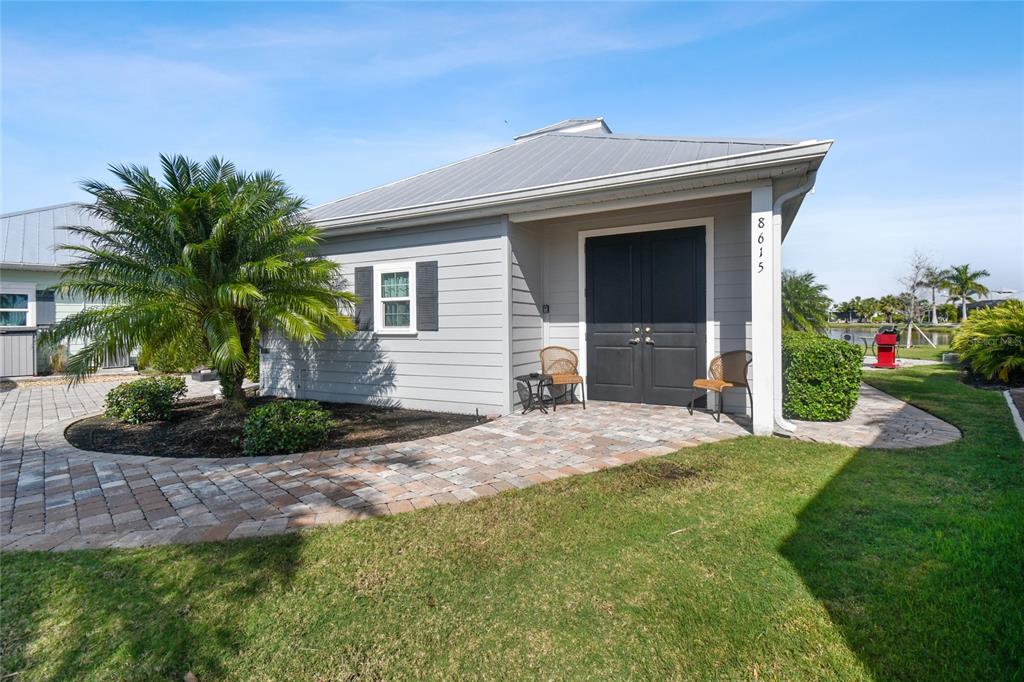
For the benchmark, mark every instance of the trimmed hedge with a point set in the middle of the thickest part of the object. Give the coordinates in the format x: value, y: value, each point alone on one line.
x: 284, y: 427
x: 821, y: 377
x: 145, y: 400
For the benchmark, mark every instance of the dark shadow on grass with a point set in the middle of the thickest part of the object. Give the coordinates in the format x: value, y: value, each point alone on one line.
x: 129, y: 615
x: 918, y: 554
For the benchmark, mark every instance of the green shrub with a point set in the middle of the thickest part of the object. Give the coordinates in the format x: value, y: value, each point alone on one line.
x: 145, y: 400
x: 821, y: 377
x: 252, y: 363
x: 281, y: 428
x: 991, y: 342
x: 179, y: 355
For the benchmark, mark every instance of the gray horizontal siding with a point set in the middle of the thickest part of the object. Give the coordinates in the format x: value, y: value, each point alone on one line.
x: 732, y: 268
x: 527, y: 291
x: 461, y: 367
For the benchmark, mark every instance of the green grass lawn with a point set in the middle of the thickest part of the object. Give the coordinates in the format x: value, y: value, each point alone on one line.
x: 922, y: 352
x: 750, y: 559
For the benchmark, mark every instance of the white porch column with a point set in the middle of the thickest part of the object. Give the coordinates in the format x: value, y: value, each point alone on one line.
x: 764, y: 280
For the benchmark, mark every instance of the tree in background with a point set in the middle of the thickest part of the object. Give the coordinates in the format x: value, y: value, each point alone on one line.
x: 963, y: 284
x: 209, y: 255
x: 804, y: 303
x: 848, y: 309
x: 867, y: 309
x: 947, y: 312
x: 913, y: 284
x: 934, y: 279
x: 889, y: 306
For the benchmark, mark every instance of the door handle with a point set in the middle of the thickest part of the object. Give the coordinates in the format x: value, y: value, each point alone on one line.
x: 648, y: 340
x: 635, y: 340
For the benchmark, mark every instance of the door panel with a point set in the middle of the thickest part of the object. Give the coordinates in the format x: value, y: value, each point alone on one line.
x: 674, y: 311
x: 613, y: 311
x: 646, y: 280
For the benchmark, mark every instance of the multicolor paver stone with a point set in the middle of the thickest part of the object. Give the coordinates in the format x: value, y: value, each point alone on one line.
x: 54, y: 496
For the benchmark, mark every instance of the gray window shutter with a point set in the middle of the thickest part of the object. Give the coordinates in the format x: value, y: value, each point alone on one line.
x: 364, y: 290
x: 426, y: 296
x: 46, y: 308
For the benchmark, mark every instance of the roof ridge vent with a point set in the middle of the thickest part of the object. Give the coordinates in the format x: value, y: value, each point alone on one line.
x: 570, y: 125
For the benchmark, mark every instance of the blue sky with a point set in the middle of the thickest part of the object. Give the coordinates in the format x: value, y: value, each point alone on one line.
x: 925, y: 102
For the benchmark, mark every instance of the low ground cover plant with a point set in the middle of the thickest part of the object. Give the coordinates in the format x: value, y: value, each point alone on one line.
x: 821, y: 376
x: 991, y: 342
x: 284, y: 427
x: 145, y: 400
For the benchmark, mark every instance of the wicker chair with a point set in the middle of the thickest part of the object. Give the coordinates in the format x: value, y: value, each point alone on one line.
x: 728, y: 370
x: 561, y: 364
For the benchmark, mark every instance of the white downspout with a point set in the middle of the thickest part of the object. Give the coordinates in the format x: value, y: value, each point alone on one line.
x: 780, y: 422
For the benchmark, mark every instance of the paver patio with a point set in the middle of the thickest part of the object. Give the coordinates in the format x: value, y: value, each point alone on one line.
x: 54, y: 496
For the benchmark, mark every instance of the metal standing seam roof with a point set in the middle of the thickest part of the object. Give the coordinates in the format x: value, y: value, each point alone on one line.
x: 29, y: 238
x: 546, y: 159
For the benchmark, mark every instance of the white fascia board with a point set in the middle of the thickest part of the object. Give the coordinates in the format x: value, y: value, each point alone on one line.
x: 493, y: 204
x: 33, y: 266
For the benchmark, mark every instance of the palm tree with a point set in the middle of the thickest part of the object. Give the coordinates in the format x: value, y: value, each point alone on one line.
x: 867, y: 309
x: 963, y: 284
x: 934, y: 279
x: 889, y: 305
x: 804, y: 303
x: 848, y: 309
x: 209, y: 254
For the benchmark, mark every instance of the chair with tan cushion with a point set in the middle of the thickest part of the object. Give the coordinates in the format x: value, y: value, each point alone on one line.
x: 561, y: 365
x: 728, y: 370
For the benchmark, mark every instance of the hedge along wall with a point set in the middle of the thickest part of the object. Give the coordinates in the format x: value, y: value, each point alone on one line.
x: 821, y: 377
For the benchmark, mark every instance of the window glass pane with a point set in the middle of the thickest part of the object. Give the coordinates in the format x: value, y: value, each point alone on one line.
x: 394, y: 284
x: 14, y: 301
x: 9, y: 318
x: 396, y: 314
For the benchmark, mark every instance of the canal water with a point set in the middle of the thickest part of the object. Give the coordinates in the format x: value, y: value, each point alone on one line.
x: 938, y: 338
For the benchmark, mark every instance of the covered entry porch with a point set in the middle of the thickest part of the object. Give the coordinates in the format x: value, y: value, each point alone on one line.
x: 647, y: 291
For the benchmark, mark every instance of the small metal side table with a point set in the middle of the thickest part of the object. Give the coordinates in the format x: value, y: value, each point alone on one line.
x: 533, y: 397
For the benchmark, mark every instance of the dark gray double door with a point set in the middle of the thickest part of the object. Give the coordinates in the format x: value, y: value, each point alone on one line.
x: 645, y: 294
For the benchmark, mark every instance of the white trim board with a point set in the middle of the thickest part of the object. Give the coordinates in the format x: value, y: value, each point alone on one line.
x: 710, y: 328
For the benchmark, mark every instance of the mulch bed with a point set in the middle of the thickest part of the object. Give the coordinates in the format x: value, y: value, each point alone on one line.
x: 201, y: 427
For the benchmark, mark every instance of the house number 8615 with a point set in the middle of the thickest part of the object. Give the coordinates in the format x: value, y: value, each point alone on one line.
x: 760, y: 240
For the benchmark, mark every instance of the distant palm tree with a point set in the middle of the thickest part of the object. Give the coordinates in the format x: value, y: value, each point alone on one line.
x: 211, y: 255
x: 963, y: 284
x: 935, y: 279
x: 804, y: 303
x: 889, y: 305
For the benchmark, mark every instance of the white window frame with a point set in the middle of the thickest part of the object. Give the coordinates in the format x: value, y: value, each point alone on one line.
x: 378, y: 299
x: 30, y: 289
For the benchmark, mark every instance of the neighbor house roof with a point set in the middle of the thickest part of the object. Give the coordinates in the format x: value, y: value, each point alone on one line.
x: 554, y: 157
x: 29, y: 239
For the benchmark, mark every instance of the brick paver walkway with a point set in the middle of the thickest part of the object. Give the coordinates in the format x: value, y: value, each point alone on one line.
x: 881, y: 421
x: 54, y: 496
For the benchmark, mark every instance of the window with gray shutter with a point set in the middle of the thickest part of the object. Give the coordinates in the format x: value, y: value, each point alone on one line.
x: 46, y: 308
x: 426, y: 296
x: 364, y: 290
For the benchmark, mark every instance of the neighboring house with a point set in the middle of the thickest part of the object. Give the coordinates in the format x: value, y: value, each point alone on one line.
x: 997, y: 297
x: 30, y: 267
x: 647, y: 255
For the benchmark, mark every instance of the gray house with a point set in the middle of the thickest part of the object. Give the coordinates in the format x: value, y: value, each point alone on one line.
x: 30, y: 267
x: 647, y: 255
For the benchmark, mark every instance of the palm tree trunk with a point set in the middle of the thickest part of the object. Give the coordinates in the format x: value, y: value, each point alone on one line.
x: 963, y: 309
x: 935, y: 311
